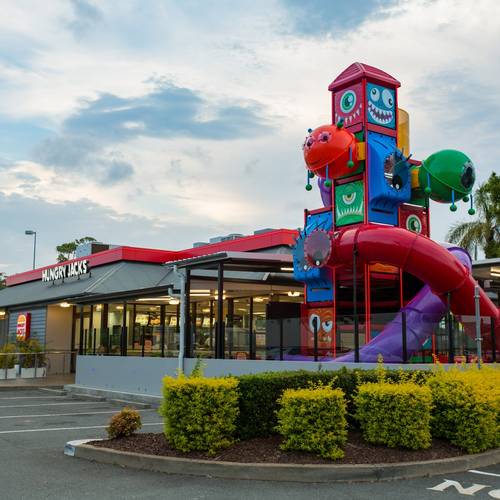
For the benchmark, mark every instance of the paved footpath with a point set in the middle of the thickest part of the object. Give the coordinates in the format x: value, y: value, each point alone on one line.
x: 35, y: 424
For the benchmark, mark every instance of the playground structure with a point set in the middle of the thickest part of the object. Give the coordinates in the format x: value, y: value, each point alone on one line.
x: 367, y: 253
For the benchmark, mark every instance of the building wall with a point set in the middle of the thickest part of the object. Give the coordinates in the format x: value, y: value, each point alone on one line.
x: 38, y: 323
x: 4, y: 329
x: 143, y: 376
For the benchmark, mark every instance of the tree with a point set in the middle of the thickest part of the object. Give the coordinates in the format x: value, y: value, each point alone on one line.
x: 485, y: 231
x: 3, y: 284
x: 66, y: 251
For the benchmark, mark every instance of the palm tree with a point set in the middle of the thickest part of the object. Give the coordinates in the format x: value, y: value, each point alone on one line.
x: 485, y: 231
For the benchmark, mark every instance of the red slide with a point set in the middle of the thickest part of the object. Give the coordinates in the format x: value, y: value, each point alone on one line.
x: 416, y: 254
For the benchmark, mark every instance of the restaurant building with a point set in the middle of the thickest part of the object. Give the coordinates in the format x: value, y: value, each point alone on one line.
x: 126, y: 315
x: 126, y: 301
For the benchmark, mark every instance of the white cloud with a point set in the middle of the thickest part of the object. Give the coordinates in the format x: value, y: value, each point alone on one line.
x: 244, y: 52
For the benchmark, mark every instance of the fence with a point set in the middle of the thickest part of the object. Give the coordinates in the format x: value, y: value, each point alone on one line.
x: 36, y: 364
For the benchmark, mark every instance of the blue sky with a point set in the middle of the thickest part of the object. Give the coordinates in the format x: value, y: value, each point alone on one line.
x: 161, y: 123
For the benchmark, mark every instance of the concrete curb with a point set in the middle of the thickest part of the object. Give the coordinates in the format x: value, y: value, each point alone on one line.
x: 303, y: 473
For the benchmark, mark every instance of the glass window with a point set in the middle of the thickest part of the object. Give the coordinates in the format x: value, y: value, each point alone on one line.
x: 114, y: 328
x: 145, y: 338
x: 238, y: 329
x: 97, y: 316
x: 172, y: 312
x: 203, y: 328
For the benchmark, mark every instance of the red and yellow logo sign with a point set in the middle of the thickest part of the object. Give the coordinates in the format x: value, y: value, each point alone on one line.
x: 23, y: 327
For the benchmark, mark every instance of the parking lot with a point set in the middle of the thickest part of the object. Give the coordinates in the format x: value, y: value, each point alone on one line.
x: 36, y: 423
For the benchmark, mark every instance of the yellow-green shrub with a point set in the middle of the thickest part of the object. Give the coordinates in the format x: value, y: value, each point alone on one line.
x: 313, y: 420
x: 124, y: 423
x: 467, y: 407
x: 395, y: 414
x: 199, y: 413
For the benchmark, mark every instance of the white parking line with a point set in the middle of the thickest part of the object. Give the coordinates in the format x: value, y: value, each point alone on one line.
x: 65, y: 414
x: 484, y: 473
x: 57, y: 404
x: 68, y: 428
x: 31, y: 397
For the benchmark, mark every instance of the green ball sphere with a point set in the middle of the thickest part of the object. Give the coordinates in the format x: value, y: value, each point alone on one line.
x: 328, y: 183
x: 471, y: 211
x: 427, y: 190
x: 465, y: 198
x: 310, y: 174
x: 453, y: 208
x: 308, y: 187
x: 350, y: 164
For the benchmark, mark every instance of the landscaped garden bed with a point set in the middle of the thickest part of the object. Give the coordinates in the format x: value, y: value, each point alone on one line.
x: 267, y: 450
x: 323, y: 418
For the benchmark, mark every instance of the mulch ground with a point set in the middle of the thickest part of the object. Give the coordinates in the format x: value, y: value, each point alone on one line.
x: 266, y: 450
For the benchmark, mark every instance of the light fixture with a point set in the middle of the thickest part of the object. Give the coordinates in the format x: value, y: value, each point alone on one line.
x: 174, y: 302
x: 287, y: 269
x: 497, y: 275
x: 258, y: 299
x: 293, y: 293
x: 98, y: 307
x: 30, y: 232
x: 495, y: 269
x: 119, y: 308
x: 65, y: 304
x: 2, y: 313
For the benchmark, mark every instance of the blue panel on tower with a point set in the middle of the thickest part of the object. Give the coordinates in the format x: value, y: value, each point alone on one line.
x: 318, y: 281
x: 389, y: 179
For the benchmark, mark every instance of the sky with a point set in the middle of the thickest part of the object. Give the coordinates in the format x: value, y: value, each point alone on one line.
x: 160, y: 123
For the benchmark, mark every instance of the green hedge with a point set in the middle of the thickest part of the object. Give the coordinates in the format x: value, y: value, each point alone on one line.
x: 313, y: 420
x: 199, y: 413
x: 395, y: 414
x: 260, y: 392
x: 467, y: 407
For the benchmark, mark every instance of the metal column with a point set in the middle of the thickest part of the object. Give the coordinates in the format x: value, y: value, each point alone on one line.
x: 219, y: 339
x: 355, y: 304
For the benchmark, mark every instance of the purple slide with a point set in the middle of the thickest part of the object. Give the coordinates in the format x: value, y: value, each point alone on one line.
x: 423, y: 313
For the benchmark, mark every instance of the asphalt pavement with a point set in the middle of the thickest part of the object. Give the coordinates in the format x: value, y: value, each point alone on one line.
x: 35, y: 424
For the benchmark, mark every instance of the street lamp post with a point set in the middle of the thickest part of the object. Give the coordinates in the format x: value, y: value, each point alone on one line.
x: 30, y: 232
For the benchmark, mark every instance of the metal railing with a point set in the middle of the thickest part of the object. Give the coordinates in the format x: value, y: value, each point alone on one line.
x: 36, y: 364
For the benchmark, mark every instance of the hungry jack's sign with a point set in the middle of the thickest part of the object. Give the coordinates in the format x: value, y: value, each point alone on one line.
x: 62, y: 271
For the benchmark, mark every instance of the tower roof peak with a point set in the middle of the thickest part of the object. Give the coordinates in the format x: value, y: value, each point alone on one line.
x: 357, y: 70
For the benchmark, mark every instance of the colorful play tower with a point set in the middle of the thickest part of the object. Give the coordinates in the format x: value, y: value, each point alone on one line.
x: 371, y: 272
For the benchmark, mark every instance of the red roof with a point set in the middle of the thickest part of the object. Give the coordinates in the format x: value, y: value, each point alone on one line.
x: 251, y: 243
x: 360, y: 70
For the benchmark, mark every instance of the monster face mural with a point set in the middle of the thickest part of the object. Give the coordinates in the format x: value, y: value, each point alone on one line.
x: 349, y: 105
x: 381, y: 105
x: 349, y: 203
x: 321, y: 319
x: 413, y: 218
